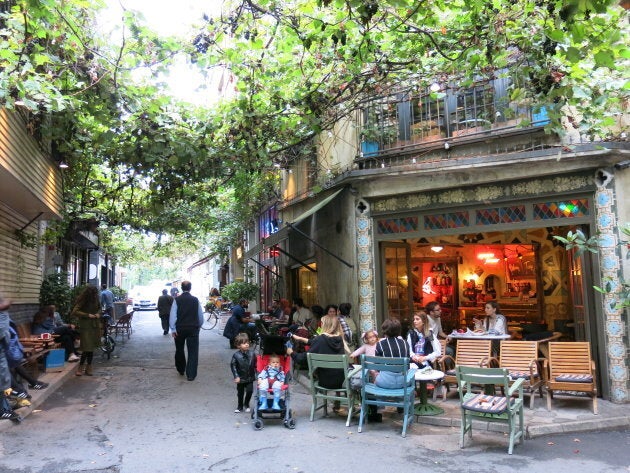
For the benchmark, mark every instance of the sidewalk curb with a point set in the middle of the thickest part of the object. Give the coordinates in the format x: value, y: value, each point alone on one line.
x: 610, y: 423
x: 55, y: 379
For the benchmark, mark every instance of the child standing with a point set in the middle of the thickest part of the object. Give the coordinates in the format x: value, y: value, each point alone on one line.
x: 243, y: 372
x: 271, y: 377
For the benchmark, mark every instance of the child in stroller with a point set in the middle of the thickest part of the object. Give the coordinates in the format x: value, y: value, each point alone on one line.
x: 273, y: 370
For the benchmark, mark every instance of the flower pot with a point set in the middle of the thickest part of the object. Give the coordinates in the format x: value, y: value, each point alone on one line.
x: 369, y: 148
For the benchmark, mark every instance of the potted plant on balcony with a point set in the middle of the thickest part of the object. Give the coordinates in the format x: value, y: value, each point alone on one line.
x: 374, y: 136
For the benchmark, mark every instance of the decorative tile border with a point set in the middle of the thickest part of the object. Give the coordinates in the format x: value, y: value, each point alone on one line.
x: 367, y: 311
x: 610, y: 270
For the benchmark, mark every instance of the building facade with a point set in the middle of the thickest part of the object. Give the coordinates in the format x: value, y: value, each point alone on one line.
x: 457, y: 198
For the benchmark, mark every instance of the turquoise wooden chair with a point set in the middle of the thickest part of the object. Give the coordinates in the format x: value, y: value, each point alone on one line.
x: 506, y: 409
x: 345, y: 395
x: 372, y: 395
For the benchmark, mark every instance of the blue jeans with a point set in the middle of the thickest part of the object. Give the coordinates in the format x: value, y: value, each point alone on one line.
x: 389, y: 380
x: 188, y: 337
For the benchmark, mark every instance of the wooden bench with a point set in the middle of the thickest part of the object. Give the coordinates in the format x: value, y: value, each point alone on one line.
x: 35, y: 349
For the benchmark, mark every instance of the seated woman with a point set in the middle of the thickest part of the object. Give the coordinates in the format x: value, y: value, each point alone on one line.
x: 423, y: 344
x: 330, y: 342
x: 392, y: 346
x: 44, y: 322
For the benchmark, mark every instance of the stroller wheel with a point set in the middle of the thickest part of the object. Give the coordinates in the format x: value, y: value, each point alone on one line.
x: 290, y: 424
x: 258, y: 424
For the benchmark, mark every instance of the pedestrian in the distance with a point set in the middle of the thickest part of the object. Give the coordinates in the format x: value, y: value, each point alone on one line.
x: 243, y: 371
x: 107, y: 301
x: 185, y: 322
x: 164, y: 304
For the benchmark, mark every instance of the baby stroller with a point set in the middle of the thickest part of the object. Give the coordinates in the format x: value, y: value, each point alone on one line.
x: 273, y: 345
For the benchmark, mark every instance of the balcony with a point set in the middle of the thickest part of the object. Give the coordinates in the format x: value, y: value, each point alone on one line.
x: 408, y: 123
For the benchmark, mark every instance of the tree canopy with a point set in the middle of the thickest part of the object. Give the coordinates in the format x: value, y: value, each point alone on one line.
x: 144, y: 161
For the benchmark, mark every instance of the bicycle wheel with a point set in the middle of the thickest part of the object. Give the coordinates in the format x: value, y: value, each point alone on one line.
x: 210, y: 320
x: 108, y: 344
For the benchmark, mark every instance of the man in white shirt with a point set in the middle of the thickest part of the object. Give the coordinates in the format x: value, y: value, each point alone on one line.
x: 434, y: 311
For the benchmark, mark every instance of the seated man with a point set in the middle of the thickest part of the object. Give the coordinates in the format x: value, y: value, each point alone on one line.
x: 44, y: 322
x: 239, y: 322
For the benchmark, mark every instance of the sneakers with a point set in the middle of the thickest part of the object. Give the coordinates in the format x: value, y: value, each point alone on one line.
x: 237, y: 411
x: 22, y: 403
x: 72, y: 358
x: 7, y: 414
x: 39, y: 385
x: 19, y: 394
x: 248, y: 410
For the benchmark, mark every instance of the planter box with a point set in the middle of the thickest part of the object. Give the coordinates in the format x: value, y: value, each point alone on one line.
x: 369, y: 148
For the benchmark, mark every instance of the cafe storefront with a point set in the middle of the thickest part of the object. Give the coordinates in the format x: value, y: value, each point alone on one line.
x: 462, y: 247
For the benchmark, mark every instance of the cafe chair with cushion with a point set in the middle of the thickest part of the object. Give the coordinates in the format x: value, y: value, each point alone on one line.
x: 520, y: 358
x: 572, y: 369
x: 345, y: 395
x: 373, y: 395
x: 506, y: 409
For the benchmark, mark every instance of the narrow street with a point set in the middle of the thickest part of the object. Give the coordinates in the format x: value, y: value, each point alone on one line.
x: 137, y: 415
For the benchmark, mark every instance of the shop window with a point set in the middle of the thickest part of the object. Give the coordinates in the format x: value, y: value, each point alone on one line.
x: 446, y: 220
x: 397, y: 225
x: 307, y: 285
x: 511, y: 214
x: 563, y: 209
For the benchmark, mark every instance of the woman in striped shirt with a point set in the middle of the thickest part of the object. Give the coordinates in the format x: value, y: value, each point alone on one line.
x: 392, y: 346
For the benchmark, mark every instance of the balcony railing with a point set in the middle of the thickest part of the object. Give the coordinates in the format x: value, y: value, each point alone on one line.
x: 408, y: 120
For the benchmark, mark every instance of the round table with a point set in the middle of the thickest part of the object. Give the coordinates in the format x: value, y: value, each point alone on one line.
x: 423, y: 408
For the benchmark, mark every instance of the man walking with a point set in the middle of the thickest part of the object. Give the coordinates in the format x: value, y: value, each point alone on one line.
x: 164, y: 304
x: 107, y: 301
x: 186, y: 319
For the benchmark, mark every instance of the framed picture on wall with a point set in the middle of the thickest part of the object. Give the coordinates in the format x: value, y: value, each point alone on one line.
x: 523, y: 268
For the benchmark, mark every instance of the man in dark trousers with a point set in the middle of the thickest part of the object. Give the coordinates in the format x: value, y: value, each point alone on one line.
x: 164, y: 305
x: 185, y: 322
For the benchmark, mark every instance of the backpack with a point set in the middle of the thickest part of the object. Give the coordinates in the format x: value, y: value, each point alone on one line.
x: 13, y: 349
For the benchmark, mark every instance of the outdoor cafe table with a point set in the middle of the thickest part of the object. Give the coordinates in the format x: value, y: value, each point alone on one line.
x: 424, y: 408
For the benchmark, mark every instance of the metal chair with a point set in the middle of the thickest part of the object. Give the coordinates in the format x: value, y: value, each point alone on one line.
x: 373, y: 395
x: 345, y: 395
x: 481, y: 406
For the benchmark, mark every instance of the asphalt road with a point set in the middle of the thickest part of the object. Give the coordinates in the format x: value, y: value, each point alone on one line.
x: 137, y: 415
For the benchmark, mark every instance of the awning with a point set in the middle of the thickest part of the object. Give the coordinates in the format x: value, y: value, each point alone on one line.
x: 283, y: 233
x: 201, y: 261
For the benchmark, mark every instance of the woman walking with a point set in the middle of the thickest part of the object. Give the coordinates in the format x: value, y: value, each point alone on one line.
x: 88, y: 311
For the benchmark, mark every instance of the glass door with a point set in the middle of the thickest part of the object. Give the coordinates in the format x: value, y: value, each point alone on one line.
x: 396, y: 276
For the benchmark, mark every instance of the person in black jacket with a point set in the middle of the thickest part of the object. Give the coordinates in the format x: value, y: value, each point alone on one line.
x: 185, y: 322
x: 242, y: 367
x: 330, y: 342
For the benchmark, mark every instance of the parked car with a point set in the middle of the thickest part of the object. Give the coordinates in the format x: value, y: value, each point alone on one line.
x: 144, y: 298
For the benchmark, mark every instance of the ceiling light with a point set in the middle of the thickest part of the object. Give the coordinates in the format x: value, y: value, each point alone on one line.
x: 63, y: 165
x: 437, y: 249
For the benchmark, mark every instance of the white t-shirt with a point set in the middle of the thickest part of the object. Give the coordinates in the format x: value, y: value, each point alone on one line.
x: 435, y: 325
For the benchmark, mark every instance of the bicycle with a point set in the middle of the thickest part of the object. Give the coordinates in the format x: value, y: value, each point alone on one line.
x: 210, y: 317
x: 107, y: 341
